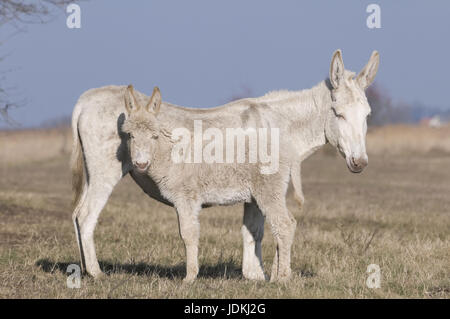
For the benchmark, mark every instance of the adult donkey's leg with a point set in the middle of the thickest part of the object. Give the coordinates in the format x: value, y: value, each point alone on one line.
x: 99, y: 182
x: 96, y: 171
x: 252, y: 234
x: 190, y: 233
x: 85, y: 220
x: 297, y: 183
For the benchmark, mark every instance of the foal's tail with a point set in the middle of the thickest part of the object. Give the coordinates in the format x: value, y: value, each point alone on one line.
x: 77, y: 160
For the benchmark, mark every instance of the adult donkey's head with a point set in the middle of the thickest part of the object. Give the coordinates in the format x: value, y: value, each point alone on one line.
x: 346, y: 125
x: 142, y: 126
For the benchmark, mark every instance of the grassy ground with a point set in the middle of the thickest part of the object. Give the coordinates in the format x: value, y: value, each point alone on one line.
x: 396, y: 214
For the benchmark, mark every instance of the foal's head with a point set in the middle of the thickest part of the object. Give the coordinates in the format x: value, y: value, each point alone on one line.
x: 143, y: 128
x: 347, y: 119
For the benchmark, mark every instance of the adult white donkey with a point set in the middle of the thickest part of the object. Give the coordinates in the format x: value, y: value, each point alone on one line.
x: 114, y: 137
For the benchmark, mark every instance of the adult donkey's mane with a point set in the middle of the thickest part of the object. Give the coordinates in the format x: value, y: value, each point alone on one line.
x: 302, y: 100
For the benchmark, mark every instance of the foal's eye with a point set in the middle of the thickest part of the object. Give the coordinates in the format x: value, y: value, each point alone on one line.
x: 155, y: 136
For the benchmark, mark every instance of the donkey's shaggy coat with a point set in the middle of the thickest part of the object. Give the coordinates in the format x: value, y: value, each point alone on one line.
x: 118, y: 131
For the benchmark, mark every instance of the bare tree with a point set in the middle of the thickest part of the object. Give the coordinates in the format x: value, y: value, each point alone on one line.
x: 16, y: 14
x: 19, y: 12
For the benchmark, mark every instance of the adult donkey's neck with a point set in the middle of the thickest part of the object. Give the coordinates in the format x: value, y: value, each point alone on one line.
x: 306, y: 114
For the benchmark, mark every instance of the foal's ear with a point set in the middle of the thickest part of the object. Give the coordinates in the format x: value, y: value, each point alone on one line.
x: 367, y: 75
x: 155, y: 101
x: 336, y: 69
x: 131, y: 103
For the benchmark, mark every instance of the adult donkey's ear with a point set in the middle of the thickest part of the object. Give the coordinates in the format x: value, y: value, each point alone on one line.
x: 336, y: 69
x: 367, y: 75
x: 131, y: 103
x: 155, y: 101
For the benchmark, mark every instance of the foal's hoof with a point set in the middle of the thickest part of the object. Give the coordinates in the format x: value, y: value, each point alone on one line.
x: 255, y: 275
x: 280, y: 278
x: 189, y: 279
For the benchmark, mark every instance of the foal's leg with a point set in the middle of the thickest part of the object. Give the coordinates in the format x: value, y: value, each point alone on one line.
x: 252, y: 233
x: 283, y: 226
x: 190, y: 232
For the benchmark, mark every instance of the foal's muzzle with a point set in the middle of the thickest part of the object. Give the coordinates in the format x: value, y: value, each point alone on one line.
x: 141, y: 167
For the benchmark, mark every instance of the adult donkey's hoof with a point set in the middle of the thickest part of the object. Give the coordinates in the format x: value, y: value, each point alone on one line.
x: 96, y: 273
x: 99, y: 275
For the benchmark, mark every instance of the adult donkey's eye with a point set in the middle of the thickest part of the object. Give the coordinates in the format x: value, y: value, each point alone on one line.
x: 338, y: 115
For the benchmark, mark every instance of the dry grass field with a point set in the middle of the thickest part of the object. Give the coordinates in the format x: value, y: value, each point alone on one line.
x: 396, y: 214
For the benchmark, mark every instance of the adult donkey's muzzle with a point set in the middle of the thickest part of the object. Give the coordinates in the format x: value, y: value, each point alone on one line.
x: 356, y: 165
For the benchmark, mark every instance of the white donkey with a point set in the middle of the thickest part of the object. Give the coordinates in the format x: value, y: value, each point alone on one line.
x: 113, y: 137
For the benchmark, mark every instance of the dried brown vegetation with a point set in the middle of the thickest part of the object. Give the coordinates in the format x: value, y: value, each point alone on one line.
x: 409, y: 139
x: 395, y: 214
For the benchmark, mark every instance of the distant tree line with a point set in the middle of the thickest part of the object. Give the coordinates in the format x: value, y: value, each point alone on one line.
x: 385, y: 111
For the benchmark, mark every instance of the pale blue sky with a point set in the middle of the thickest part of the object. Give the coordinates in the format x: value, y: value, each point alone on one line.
x: 202, y: 52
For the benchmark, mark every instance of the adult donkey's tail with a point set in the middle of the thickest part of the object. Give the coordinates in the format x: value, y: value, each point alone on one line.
x: 77, y: 161
x: 79, y: 182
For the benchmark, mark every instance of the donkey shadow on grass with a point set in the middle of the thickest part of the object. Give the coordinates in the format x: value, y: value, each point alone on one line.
x: 223, y: 269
